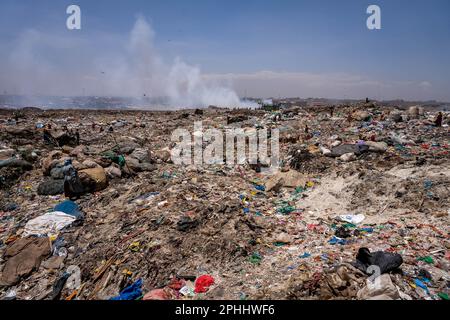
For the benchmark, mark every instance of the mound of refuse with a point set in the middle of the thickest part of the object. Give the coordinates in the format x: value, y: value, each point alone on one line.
x: 93, y: 205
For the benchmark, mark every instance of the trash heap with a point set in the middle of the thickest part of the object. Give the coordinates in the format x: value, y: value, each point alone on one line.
x: 92, y: 207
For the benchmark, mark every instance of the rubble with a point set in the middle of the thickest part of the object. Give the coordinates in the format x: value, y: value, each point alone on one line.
x: 383, y: 290
x: 367, y: 183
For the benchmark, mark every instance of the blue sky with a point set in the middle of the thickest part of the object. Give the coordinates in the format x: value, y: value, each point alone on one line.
x: 265, y: 47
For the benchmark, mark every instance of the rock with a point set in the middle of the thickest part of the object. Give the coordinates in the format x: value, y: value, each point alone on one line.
x: 20, y: 132
x: 6, y: 153
x: 132, y: 163
x: 147, y: 167
x: 325, y: 151
x: 113, y: 171
x: 51, y: 161
x: 78, y: 166
x: 53, y: 262
x: 143, y: 155
x: 67, y: 149
x: 16, y: 163
x: 293, y: 179
x: 90, y: 164
x: 380, y: 289
x: 361, y: 115
x: 51, y: 187
x: 357, y: 149
x: 377, y: 146
x: 78, y: 151
x: 274, y: 184
x: 336, y: 143
x: 289, y: 179
x: 163, y: 155
x: 348, y: 157
x: 136, y: 166
x: 93, y: 179
x: 57, y: 172
x: 103, y: 162
x: 119, y: 123
x: 127, y: 147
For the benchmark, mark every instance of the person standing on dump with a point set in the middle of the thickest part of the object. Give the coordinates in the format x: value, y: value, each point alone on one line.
x: 438, y: 121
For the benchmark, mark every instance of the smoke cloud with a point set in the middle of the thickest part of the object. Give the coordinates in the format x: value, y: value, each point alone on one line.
x: 181, y: 83
x: 46, y: 64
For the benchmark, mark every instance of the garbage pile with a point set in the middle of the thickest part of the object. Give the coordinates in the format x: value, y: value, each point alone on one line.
x: 93, y: 207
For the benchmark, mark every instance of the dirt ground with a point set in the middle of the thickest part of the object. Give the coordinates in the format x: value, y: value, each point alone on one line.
x: 169, y: 224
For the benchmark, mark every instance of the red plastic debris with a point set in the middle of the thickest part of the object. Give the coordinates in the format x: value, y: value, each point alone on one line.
x: 203, y: 283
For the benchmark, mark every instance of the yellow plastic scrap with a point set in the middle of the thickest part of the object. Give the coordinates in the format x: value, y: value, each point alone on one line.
x: 127, y: 272
x: 310, y: 184
x: 135, y: 246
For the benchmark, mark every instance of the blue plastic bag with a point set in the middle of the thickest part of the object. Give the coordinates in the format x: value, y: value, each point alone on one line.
x: 70, y: 208
x: 132, y: 292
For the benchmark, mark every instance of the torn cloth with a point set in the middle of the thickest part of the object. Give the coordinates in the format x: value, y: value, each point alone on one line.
x: 48, y: 224
x: 23, y: 257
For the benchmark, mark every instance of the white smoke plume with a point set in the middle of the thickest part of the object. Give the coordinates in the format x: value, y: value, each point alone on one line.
x: 181, y: 83
x: 111, y: 66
